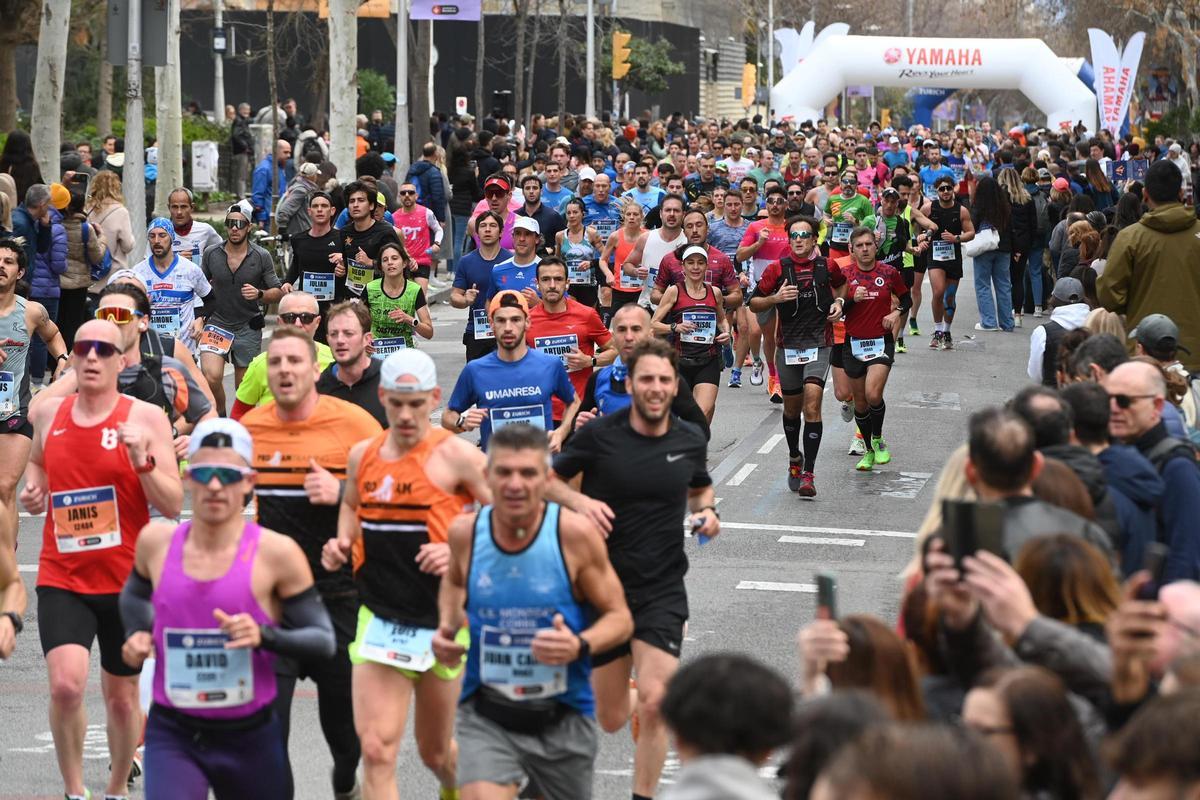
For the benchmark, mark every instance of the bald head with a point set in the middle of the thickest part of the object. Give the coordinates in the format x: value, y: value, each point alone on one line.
x: 99, y: 330
x: 298, y: 302
x: 1137, y: 392
x: 630, y: 325
x: 1145, y: 378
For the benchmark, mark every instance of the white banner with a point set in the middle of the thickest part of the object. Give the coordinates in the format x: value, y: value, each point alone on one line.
x: 204, y: 166
x: 1115, y: 72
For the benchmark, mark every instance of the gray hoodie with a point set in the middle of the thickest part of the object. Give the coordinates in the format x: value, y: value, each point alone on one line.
x: 719, y: 777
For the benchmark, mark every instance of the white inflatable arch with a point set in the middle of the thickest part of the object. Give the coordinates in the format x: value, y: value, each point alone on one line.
x: 1025, y: 64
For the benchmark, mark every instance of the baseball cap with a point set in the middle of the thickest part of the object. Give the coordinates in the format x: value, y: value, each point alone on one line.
x: 1175, y: 147
x: 389, y: 157
x: 497, y: 180
x: 751, y: 151
x: 722, y: 167
x: 587, y: 174
x: 1068, y: 290
x: 60, y: 196
x: 894, y: 140
x: 1044, y: 174
x: 695, y: 250
x: 527, y: 224
x: 1062, y: 184
x: 512, y: 294
x: 222, y: 432
x: 1159, y: 335
x: 889, y: 192
x: 408, y: 370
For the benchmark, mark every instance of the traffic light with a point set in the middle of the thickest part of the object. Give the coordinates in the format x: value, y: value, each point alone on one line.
x: 749, y: 83
x: 620, y: 54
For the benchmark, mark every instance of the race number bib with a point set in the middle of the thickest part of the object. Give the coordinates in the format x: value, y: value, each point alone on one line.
x: 482, y: 325
x: 530, y: 415
x: 943, y: 250
x: 508, y: 666
x: 631, y: 281
x: 866, y: 349
x: 85, y: 519
x: 358, y: 276
x: 8, y: 395
x: 319, y: 285
x: 388, y: 345
x: 215, y: 340
x: 397, y: 645
x: 795, y: 357
x: 578, y: 275
x: 200, y: 673
x: 166, y: 319
x: 557, y: 346
x: 841, y: 233
x: 706, y: 327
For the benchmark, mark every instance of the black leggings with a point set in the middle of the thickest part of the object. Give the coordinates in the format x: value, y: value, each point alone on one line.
x: 1016, y: 271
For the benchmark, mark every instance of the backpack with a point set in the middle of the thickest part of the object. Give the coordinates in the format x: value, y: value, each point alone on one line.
x: 104, y: 265
x: 1041, y: 203
x: 311, y: 145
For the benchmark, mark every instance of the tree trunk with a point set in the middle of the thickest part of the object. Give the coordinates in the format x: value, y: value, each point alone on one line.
x: 8, y: 85
x: 564, y: 29
x: 526, y: 111
x: 418, y: 97
x: 520, y: 17
x: 104, y: 83
x: 276, y: 122
x: 46, y: 125
x: 480, y: 58
x: 343, y: 84
x: 169, y: 103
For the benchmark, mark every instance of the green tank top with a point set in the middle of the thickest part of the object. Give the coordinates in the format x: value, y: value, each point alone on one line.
x: 380, y: 303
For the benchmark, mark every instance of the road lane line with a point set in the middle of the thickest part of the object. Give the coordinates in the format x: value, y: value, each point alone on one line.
x: 762, y: 526
x: 27, y: 568
x: 769, y: 423
x: 770, y: 444
x: 741, y: 475
x: 773, y: 586
x: 822, y: 540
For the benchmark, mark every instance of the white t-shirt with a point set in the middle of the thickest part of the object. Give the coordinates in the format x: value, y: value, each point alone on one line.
x: 174, y: 296
x: 197, y: 240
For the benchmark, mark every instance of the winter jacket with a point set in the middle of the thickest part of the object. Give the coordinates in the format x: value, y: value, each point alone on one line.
x: 428, y: 179
x: 1027, y: 518
x: 1136, y: 489
x: 48, y: 266
x: 1024, y: 226
x: 1089, y: 470
x: 1179, y: 508
x: 292, y: 215
x: 113, y: 220
x: 79, y: 271
x: 719, y: 777
x: 38, y: 237
x: 486, y: 165
x: 241, y: 140
x: 465, y: 191
x: 1152, y: 270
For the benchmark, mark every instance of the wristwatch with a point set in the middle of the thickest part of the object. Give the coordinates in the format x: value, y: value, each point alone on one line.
x: 146, y: 467
x: 260, y: 294
x: 19, y: 624
x: 593, y: 361
x: 62, y: 357
x: 585, y: 649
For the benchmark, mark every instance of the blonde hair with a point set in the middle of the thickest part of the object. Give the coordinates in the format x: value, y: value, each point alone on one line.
x: 5, y: 212
x: 1100, y: 320
x: 106, y: 188
x: 1010, y: 182
x: 952, y: 485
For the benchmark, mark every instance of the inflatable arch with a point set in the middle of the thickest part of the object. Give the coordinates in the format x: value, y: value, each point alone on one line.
x: 1025, y: 64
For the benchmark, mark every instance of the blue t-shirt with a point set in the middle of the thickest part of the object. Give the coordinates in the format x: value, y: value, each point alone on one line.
x: 475, y: 270
x: 929, y: 175
x: 605, y: 218
x: 507, y: 275
x: 648, y: 200
x: 726, y: 237
x: 554, y: 199
x: 894, y: 160
x: 344, y: 218
x: 512, y: 392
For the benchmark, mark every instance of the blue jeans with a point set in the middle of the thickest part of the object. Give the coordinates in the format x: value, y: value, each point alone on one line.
x: 37, y: 348
x: 458, y: 230
x: 1034, y: 274
x: 992, y: 269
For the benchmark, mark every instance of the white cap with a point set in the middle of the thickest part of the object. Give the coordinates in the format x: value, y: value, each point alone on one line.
x: 408, y: 370
x: 587, y: 174
x: 527, y: 224
x: 751, y: 150
x: 1175, y: 147
x: 222, y: 432
x: 894, y: 140
x: 695, y: 250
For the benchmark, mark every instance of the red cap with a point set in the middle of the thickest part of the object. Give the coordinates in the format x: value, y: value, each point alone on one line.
x: 496, y: 180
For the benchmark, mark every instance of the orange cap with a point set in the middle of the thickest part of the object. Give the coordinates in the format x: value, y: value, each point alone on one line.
x: 496, y: 302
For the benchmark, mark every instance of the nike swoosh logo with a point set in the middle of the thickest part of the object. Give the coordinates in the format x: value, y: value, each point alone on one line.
x: 671, y: 459
x: 58, y: 432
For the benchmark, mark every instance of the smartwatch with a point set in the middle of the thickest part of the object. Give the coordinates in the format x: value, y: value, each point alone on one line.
x: 19, y: 625
x: 593, y: 361
x: 585, y: 649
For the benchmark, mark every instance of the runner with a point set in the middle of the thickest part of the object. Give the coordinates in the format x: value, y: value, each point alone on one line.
x: 764, y: 241
x: 100, y: 460
x: 726, y: 234
x: 497, y: 194
x: 625, y: 288
x: 421, y: 232
x: 843, y: 211
x: 298, y: 310
x: 354, y: 375
x: 868, y: 351
x: 397, y: 304
x: 514, y: 384
x: 537, y: 721
x: 317, y: 266
x: 13, y: 601
x: 800, y: 287
x: 950, y: 223
x: 893, y: 240
x: 646, y: 469
x: 362, y: 237
x: 579, y: 247
x: 645, y: 195
x: 174, y: 284
x: 403, y: 488
x: 519, y: 272
x: 550, y: 222
x: 302, y: 443
x: 913, y: 262
x: 189, y: 237
x: 819, y: 195
x: 603, y: 212
x: 719, y: 273
x: 472, y: 277
x: 218, y: 591
x: 643, y: 261
x: 934, y: 171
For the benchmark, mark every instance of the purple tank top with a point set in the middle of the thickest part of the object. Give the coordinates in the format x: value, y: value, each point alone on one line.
x: 194, y: 673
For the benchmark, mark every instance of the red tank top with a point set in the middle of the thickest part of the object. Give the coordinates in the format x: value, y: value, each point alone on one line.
x: 703, y: 314
x: 96, y: 506
x: 620, y: 254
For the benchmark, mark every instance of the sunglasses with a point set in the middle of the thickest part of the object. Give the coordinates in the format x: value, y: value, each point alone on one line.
x: 237, y: 224
x: 945, y: 188
x: 1124, y: 401
x: 795, y: 194
x: 226, y: 475
x: 405, y: 192
x: 796, y: 235
x: 303, y: 317
x: 776, y: 201
x: 83, y: 347
x: 494, y: 194
x: 117, y: 314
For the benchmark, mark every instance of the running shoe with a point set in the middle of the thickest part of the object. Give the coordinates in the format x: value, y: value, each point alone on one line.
x: 735, y: 379
x: 882, y: 454
x: 947, y: 341
x: 774, y: 390
x: 135, y: 769
x: 900, y: 346
x: 87, y: 795
x: 727, y: 353
x: 795, y: 474
x: 857, y: 446
x: 807, y: 487
x: 867, y: 462
x: 935, y: 342
x: 912, y: 326
x: 356, y: 793
x: 756, y: 374
x: 847, y: 411
x: 1018, y: 321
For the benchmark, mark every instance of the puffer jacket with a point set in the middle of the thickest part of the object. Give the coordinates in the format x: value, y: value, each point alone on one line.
x: 1136, y: 489
x: 79, y: 274
x: 49, y: 266
x: 1091, y: 472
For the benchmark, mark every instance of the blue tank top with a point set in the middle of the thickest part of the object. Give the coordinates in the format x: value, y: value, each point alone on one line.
x: 510, y: 597
x: 611, y: 398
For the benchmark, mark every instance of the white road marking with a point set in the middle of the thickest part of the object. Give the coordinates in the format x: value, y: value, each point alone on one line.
x: 27, y: 567
x: 741, y: 475
x: 773, y: 586
x: 769, y: 445
x: 821, y: 540
x: 762, y: 526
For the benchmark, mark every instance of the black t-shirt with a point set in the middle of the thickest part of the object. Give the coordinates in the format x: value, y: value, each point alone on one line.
x: 645, y: 481
x: 369, y: 240
x: 364, y: 394
x: 311, y: 254
x: 683, y: 406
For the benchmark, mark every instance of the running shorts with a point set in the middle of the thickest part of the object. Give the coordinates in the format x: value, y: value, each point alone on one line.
x: 701, y: 371
x: 858, y: 369
x: 71, y: 618
x: 659, y: 620
x: 793, y: 377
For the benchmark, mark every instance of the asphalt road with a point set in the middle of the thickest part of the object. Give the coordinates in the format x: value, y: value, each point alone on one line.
x: 750, y: 590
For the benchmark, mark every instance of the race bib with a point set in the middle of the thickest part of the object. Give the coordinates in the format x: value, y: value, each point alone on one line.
x: 866, y: 349
x: 358, y: 276
x: 8, y: 395
x: 319, y: 285
x: 86, y: 519
x: 482, y: 325
x: 841, y: 233
x: 531, y: 415
x: 706, y: 327
x: 397, y: 645
x: 580, y: 276
x: 201, y: 673
x: 557, y: 346
x: 215, y: 340
x: 943, y: 250
x: 508, y: 666
x: 794, y: 357
x: 385, y: 347
x: 166, y: 319
x: 631, y: 281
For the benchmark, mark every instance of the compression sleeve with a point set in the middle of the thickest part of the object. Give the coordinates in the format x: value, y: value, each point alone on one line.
x: 905, y: 301
x: 136, y: 606
x: 306, y: 631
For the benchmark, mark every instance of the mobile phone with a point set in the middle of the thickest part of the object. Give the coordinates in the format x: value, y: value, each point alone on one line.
x: 826, y: 595
x: 1154, y: 561
x: 80, y: 177
x: 968, y: 527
